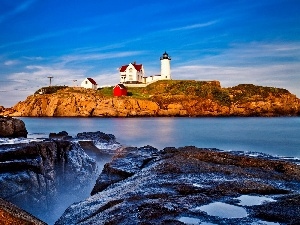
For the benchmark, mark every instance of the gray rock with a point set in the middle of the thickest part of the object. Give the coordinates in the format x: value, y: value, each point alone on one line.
x: 147, y: 186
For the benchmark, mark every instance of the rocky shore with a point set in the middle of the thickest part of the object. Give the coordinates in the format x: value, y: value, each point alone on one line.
x: 162, y: 98
x: 186, y: 185
x: 177, y: 186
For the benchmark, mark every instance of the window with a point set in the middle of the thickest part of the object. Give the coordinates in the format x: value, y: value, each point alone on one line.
x: 86, y: 82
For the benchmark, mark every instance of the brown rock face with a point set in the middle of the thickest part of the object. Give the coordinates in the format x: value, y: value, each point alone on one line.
x: 83, y: 104
x: 11, y: 127
x: 11, y: 214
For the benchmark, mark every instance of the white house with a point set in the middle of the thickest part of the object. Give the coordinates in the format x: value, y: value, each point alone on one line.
x: 135, y: 73
x: 89, y: 83
x: 132, y: 73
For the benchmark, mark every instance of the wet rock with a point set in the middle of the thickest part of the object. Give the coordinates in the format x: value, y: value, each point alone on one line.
x: 148, y: 186
x: 98, y: 142
x: 96, y: 136
x: 285, y: 209
x: 31, y: 175
x: 118, y: 169
x: 60, y: 135
x: 11, y: 127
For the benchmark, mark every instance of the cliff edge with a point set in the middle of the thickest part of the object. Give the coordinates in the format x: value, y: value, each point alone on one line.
x: 162, y: 98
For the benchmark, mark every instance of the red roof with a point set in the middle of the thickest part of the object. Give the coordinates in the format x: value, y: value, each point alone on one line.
x: 92, y: 81
x: 121, y: 86
x: 138, y: 67
x: 123, y: 68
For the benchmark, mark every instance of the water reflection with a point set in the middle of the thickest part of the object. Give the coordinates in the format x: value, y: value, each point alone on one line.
x: 140, y: 132
x: 223, y: 210
x: 189, y: 220
x: 250, y: 200
x: 276, y: 136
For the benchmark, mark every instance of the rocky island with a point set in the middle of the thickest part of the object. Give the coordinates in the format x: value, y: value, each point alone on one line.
x: 162, y: 98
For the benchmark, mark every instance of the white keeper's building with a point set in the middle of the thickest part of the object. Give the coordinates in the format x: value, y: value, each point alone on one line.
x: 134, y: 73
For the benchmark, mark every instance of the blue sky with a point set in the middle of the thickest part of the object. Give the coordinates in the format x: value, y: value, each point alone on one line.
x: 233, y: 41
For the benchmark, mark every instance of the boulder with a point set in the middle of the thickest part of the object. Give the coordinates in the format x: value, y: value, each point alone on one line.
x: 148, y: 186
x: 60, y: 135
x: 12, y: 127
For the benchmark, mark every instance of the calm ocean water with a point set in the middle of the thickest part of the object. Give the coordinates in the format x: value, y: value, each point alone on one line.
x: 276, y: 136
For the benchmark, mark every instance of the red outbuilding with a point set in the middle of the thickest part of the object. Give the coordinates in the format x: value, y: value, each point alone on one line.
x: 120, y: 90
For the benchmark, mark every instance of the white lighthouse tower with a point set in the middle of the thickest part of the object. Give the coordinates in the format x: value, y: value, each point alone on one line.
x: 165, y: 67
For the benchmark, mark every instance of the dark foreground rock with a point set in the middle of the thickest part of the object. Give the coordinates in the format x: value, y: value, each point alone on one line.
x: 32, y: 175
x: 11, y: 127
x: 11, y: 214
x: 147, y: 186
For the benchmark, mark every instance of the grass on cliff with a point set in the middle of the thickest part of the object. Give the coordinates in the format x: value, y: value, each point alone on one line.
x: 50, y: 89
x: 190, y: 88
x: 245, y: 92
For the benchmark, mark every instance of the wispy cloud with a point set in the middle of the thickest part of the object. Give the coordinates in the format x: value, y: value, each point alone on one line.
x: 11, y: 62
x: 33, y: 58
x: 195, y: 26
x: 18, y: 9
x: 49, y: 35
x: 98, y: 56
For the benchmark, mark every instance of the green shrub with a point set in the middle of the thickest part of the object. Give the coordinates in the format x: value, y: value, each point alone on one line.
x: 50, y: 89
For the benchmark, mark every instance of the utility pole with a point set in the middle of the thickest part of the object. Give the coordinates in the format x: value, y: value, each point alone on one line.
x: 50, y: 80
x: 74, y: 83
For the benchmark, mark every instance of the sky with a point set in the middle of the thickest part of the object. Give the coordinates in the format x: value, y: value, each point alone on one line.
x: 232, y: 41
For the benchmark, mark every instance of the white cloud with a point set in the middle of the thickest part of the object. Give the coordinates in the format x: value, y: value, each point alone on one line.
x: 11, y: 62
x: 33, y: 58
x: 40, y: 74
x: 107, y: 79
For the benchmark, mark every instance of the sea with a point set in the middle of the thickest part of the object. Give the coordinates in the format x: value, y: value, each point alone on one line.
x: 279, y: 136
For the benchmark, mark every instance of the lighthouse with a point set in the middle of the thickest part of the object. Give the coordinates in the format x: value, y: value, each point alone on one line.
x: 165, y: 67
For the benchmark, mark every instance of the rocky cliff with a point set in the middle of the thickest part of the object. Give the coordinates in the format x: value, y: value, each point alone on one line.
x: 162, y: 98
x: 190, y: 185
